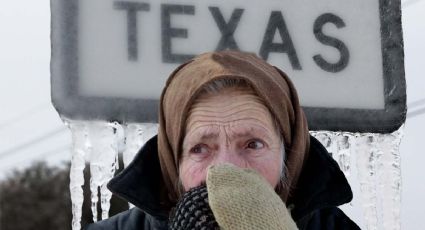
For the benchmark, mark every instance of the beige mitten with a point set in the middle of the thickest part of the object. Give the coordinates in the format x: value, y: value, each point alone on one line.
x: 243, y: 199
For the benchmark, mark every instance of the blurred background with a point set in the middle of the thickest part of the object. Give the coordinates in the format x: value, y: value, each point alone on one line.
x: 35, y: 144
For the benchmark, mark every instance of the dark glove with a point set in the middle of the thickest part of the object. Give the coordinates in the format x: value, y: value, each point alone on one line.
x: 193, y: 211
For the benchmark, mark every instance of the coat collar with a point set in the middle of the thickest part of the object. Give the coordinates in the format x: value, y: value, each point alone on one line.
x: 321, y: 183
x: 139, y: 183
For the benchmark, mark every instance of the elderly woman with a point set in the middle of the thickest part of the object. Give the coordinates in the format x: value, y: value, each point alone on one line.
x: 231, y: 128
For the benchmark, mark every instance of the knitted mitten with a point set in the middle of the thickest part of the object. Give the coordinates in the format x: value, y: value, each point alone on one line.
x: 243, y: 199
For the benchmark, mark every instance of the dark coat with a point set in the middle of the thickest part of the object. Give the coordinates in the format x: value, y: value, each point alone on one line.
x: 321, y: 188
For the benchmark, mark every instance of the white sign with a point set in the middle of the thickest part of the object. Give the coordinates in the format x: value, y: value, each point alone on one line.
x: 111, y: 58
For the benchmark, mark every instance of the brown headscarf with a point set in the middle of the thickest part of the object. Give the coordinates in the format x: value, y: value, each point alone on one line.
x: 268, y: 82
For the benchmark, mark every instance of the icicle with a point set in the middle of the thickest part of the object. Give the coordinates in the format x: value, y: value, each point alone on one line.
x: 378, y: 172
x: 133, y: 141
x: 79, y: 149
x: 137, y: 134
x: 390, y: 180
x: 121, y: 140
x: 325, y: 137
x: 367, y: 157
x: 103, y: 160
x: 343, y: 152
x: 150, y: 131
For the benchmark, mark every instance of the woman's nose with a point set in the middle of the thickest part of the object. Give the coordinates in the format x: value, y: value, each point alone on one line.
x: 230, y: 156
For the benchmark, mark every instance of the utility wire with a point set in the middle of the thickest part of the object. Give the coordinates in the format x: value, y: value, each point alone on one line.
x: 408, y: 3
x: 31, y: 142
x: 416, y: 103
x: 22, y: 116
x: 416, y: 113
x: 54, y: 151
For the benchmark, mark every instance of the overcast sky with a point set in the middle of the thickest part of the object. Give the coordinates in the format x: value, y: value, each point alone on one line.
x: 30, y: 129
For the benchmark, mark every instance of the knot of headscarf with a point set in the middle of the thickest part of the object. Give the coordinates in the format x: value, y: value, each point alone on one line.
x: 268, y: 82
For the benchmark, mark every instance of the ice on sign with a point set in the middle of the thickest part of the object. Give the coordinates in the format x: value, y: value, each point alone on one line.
x: 346, y: 59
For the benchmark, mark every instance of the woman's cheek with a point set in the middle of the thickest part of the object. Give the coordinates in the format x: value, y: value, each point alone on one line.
x: 269, y: 167
x: 192, y: 174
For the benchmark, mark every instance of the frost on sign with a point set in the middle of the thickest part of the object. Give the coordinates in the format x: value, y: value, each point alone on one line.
x: 110, y: 58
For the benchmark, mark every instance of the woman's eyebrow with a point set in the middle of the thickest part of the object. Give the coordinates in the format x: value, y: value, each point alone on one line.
x: 200, y: 136
x: 208, y: 136
x: 204, y: 135
x: 250, y: 132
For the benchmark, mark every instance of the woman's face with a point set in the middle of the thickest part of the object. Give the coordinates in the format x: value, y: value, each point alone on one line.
x: 233, y: 126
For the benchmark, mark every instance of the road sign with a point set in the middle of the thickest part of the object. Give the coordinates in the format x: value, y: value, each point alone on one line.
x: 110, y: 58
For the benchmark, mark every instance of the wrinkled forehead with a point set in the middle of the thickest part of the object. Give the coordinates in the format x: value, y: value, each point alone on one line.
x: 235, y: 107
x: 225, y: 92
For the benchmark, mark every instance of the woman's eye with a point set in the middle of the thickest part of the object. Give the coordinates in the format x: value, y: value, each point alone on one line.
x: 199, y: 149
x: 255, y: 144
